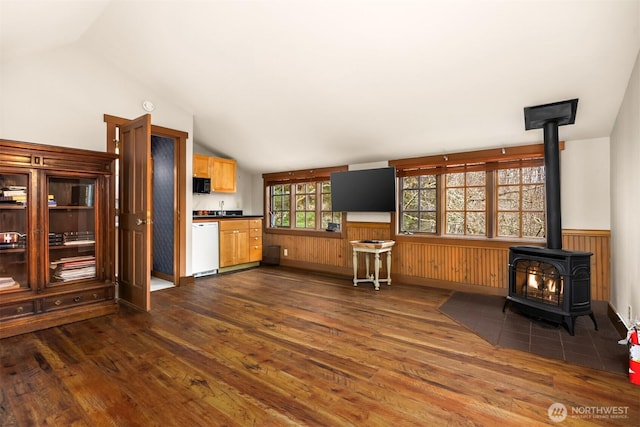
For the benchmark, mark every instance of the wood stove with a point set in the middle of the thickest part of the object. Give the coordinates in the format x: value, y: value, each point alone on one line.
x: 551, y: 283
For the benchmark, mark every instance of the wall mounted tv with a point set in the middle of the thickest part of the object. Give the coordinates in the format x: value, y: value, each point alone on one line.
x: 366, y: 190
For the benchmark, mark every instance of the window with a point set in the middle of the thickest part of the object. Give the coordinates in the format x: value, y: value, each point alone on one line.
x: 280, y: 196
x: 308, y: 213
x: 481, y: 194
x: 521, y: 202
x: 418, y: 210
x: 300, y: 200
x: 306, y: 195
x: 326, y: 213
x: 465, y: 203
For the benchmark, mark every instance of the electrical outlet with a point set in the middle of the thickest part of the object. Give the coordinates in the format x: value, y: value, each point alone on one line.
x: 286, y: 252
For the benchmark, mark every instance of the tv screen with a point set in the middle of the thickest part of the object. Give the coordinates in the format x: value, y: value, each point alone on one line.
x: 367, y: 190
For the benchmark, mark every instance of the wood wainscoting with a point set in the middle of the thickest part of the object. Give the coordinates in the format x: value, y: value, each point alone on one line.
x: 598, y: 242
x: 458, y: 264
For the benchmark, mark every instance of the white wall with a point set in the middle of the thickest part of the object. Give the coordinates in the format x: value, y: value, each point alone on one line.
x: 59, y: 98
x: 625, y: 203
x: 242, y: 199
x: 584, y: 181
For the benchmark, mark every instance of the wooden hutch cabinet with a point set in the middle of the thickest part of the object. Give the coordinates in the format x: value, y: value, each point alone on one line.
x: 56, y: 228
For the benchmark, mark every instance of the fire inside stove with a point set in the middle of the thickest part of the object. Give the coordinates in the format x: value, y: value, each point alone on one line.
x: 539, y: 281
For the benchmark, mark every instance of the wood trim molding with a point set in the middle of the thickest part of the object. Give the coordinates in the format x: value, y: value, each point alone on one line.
x: 479, y: 156
x: 574, y: 232
x: 618, y: 324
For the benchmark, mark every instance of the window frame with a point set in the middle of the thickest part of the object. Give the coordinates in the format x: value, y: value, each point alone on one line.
x: 293, y: 178
x: 489, y: 161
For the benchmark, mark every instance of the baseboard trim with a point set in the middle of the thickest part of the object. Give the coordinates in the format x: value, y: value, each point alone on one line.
x: 617, y: 321
x: 397, y: 278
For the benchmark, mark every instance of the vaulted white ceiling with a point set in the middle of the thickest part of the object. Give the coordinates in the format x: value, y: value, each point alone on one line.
x: 292, y: 84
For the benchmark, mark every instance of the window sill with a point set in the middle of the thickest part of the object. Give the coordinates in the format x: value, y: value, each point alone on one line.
x: 308, y: 233
x: 498, y: 242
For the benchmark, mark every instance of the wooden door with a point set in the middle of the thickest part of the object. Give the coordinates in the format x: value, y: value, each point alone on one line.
x: 134, y: 253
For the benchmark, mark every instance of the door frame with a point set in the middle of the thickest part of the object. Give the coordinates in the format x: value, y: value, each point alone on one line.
x: 180, y: 200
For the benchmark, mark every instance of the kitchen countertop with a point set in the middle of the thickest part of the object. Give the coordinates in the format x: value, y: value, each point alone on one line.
x: 207, y: 215
x: 213, y: 217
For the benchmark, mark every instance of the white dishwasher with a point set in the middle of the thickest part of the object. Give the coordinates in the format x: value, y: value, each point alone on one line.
x: 204, y: 248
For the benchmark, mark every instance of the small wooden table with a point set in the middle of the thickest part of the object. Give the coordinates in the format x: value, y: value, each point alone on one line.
x: 369, y: 247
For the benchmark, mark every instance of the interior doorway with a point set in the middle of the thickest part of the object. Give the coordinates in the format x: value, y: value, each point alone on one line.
x: 166, y: 226
x: 164, y: 204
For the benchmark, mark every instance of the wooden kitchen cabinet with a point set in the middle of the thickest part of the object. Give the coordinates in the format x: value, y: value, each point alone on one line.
x: 234, y: 242
x: 223, y: 175
x: 240, y: 241
x: 56, y: 255
x: 201, y: 166
x: 222, y: 172
x: 255, y: 240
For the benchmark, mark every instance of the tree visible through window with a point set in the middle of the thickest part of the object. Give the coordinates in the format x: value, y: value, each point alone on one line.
x: 280, y: 205
x: 311, y: 210
x: 326, y: 213
x: 419, y: 201
x: 521, y: 202
x: 306, y: 205
x: 507, y: 202
x: 465, y: 205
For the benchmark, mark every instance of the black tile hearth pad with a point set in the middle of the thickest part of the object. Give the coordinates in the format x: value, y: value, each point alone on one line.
x: 596, y: 349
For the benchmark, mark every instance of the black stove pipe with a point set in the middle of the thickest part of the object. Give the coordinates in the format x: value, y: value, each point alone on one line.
x: 549, y: 117
x: 552, y: 186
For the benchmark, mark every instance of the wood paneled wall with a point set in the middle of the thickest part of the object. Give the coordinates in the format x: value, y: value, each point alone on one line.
x: 471, y: 265
x: 598, y: 242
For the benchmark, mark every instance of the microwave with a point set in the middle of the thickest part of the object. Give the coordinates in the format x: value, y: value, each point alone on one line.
x: 201, y: 185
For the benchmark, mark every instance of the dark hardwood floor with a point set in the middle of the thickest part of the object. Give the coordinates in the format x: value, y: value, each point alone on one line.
x: 278, y: 347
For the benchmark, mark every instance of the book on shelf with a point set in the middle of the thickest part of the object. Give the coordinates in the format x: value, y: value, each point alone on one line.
x: 73, y: 261
x: 12, y: 245
x: 12, y: 240
x: 78, y: 274
x: 8, y: 283
x: 78, y: 237
x: 78, y: 242
x: 14, y: 193
x: 74, y: 268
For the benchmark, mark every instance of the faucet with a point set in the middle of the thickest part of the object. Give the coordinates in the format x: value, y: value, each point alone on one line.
x: 222, y: 212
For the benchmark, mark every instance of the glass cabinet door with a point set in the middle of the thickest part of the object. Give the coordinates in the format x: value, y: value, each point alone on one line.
x: 14, y: 263
x: 72, y: 229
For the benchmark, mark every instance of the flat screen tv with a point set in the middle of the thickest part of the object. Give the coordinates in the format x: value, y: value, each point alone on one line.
x: 367, y: 190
